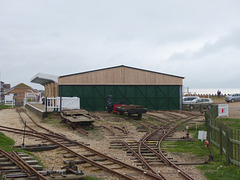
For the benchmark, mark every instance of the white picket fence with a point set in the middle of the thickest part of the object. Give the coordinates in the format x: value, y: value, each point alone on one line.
x: 223, y: 110
x: 53, y: 104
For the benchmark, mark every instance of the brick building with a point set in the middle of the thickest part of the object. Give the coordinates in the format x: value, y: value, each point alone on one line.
x: 19, y: 92
x: 3, y: 88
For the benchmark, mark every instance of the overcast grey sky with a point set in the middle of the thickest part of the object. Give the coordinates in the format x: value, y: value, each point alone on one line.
x: 199, y: 40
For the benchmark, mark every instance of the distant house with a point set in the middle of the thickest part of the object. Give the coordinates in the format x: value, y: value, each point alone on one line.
x: 19, y: 92
x: 3, y: 88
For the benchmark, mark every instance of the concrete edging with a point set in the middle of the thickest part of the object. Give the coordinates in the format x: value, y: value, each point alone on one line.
x: 39, y: 113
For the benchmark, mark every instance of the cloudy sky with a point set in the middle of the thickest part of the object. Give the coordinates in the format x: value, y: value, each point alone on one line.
x: 199, y: 40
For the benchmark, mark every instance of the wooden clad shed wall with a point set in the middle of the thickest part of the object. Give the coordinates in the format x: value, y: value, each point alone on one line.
x: 51, y: 89
x: 120, y: 76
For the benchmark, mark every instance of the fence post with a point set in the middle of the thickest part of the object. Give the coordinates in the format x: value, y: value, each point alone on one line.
x: 45, y: 104
x: 209, y: 129
x: 227, y: 147
x: 61, y: 104
x: 231, y: 144
x: 220, y: 140
x: 207, y: 119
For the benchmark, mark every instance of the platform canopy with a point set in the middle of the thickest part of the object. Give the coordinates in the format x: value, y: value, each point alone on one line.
x: 44, y: 79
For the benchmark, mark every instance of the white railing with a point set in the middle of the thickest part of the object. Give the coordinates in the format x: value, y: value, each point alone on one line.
x: 223, y: 110
x: 70, y: 103
x: 51, y: 103
x: 32, y: 98
x: 55, y: 104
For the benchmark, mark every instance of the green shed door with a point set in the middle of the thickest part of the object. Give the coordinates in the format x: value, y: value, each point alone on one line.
x: 141, y: 95
x: 151, y: 97
x: 94, y: 98
x: 120, y: 93
x: 99, y: 101
x: 130, y: 94
x: 174, y: 97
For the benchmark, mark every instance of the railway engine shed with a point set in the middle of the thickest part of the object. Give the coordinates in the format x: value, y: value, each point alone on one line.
x: 152, y: 90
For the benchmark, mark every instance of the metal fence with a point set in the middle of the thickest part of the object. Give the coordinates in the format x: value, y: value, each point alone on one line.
x: 226, y: 139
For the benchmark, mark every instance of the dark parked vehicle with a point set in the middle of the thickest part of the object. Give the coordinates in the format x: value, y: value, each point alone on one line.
x: 232, y: 97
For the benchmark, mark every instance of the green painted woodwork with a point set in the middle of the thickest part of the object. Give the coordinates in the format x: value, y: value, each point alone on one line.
x: 94, y: 97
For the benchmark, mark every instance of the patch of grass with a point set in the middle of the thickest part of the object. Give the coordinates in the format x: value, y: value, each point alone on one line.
x: 92, y: 178
x: 54, y: 115
x: 51, y: 121
x: 231, y: 123
x: 55, y: 119
x: 56, y: 122
x: 213, y: 171
x: 223, y: 173
x: 95, y: 134
x: 192, y: 147
x: 6, y: 143
x: 4, y: 106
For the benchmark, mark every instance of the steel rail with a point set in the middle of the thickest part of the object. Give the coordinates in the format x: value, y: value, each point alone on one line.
x: 109, y: 129
x: 19, y: 131
x: 52, y: 132
x: 165, y: 134
x: 188, y: 113
x: 99, y: 154
x: 91, y: 161
x: 175, y: 116
x: 145, y: 137
x: 121, y: 129
x: 185, y: 175
x: 150, y: 134
x: 125, y: 130
x: 163, y: 120
x: 40, y: 176
x: 82, y: 131
x: 27, y: 132
x: 151, y: 175
x: 160, y: 153
x: 24, y: 168
x: 140, y: 158
x: 80, y: 156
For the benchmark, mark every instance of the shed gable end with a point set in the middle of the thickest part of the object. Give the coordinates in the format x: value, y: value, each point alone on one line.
x: 121, y: 75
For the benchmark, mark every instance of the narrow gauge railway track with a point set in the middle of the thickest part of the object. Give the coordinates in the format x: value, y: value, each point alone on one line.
x: 161, y: 132
x: 115, y: 130
x: 188, y: 113
x: 21, y: 168
x: 166, y: 160
x: 82, y: 131
x: 171, y: 116
x: 126, y: 171
x: 154, y: 116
